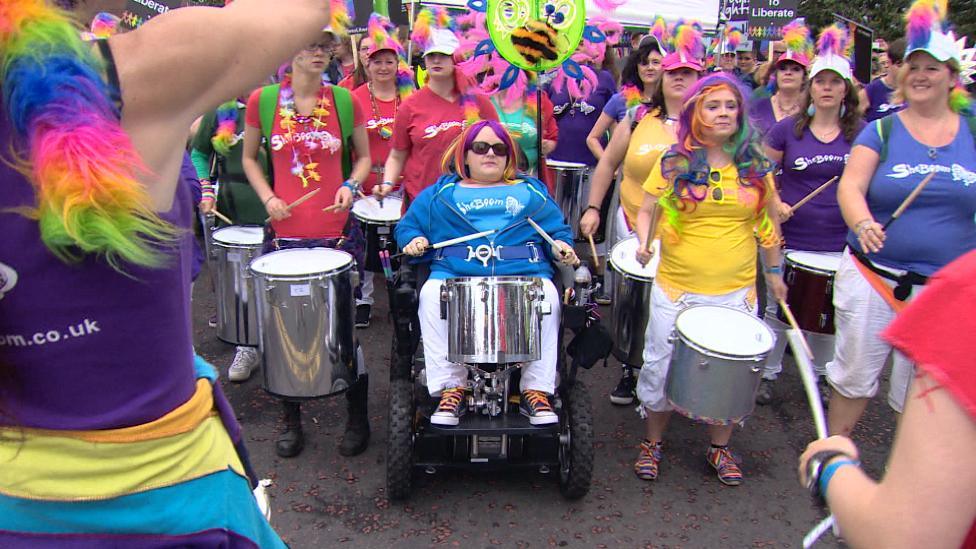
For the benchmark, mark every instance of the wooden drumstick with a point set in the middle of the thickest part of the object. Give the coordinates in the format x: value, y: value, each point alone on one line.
x: 596, y: 258
x: 909, y: 199
x: 792, y: 319
x: 813, y: 193
x: 222, y: 217
x: 330, y: 208
x: 300, y: 200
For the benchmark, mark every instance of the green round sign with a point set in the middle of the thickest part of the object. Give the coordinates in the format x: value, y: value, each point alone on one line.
x: 533, y: 38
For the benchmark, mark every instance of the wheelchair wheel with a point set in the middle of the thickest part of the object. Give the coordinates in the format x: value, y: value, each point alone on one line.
x: 399, y: 444
x: 576, y: 441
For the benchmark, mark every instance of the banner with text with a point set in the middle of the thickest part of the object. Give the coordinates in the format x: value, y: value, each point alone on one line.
x: 767, y: 18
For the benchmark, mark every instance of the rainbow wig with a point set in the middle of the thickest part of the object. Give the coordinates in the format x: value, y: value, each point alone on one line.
x: 686, y: 168
x: 80, y: 161
x: 103, y: 25
x: 454, y: 158
x: 225, y: 134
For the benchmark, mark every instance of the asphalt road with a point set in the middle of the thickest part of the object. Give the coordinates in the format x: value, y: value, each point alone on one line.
x: 320, y: 499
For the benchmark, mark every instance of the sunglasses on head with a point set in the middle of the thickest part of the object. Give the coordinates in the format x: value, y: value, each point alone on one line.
x: 481, y: 147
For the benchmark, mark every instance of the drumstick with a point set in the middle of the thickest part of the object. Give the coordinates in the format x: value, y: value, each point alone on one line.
x: 331, y: 208
x: 224, y: 218
x: 301, y: 199
x: 813, y: 193
x: 596, y: 258
x: 792, y: 319
x: 453, y: 241
x: 545, y: 236
x: 908, y: 200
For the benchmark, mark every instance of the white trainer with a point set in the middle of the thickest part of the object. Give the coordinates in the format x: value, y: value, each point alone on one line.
x: 245, y: 362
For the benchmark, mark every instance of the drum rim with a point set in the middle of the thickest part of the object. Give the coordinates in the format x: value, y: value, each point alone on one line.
x: 373, y: 220
x: 806, y: 267
x: 724, y: 356
x: 562, y: 164
x: 618, y: 268
x: 215, y: 232
x: 305, y: 276
x: 507, y: 278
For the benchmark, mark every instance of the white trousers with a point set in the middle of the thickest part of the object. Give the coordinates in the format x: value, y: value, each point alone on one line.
x: 822, y: 345
x: 860, y: 315
x: 366, y: 288
x: 657, y: 344
x: 443, y: 374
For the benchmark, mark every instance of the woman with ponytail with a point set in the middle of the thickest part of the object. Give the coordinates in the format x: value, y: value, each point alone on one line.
x: 884, y: 267
x: 113, y: 418
x: 715, y: 190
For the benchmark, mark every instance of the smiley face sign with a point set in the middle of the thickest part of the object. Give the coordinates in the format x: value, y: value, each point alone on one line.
x: 536, y: 35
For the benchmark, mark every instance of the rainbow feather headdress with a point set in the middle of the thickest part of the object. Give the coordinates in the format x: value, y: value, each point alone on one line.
x: 103, y: 25
x: 427, y: 20
x: 799, y: 46
x: 382, y: 33
x: 731, y: 38
x: 341, y: 15
x: 687, y: 49
x: 831, y: 52
x: 927, y: 29
x: 81, y: 163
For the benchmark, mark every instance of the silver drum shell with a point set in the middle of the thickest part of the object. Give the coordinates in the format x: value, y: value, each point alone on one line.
x: 572, y: 185
x: 629, y: 314
x: 237, y: 320
x: 711, y: 387
x: 307, y: 341
x: 494, y: 320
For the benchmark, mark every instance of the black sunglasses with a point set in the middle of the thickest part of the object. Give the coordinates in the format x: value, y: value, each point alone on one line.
x: 480, y: 147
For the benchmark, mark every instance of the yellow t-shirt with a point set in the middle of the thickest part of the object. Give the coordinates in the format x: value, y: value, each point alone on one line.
x: 716, y: 249
x: 649, y: 140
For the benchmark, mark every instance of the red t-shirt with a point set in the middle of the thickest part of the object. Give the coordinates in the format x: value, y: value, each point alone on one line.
x: 425, y: 127
x: 379, y: 148
x: 936, y: 331
x: 307, y: 220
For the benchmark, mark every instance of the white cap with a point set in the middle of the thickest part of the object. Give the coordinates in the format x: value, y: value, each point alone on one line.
x: 941, y: 46
x: 745, y: 46
x: 442, y: 41
x: 834, y: 63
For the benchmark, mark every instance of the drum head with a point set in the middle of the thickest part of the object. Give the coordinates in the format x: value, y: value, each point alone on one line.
x: 815, y: 261
x: 569, y: 166
x: 300, y: 262
x: 725, y: 330
x: 623, y: 259
x: 240, y: 235
x: 369, y: 209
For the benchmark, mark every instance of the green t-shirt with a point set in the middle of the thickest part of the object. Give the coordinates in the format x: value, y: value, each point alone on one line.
x: 523, y: 129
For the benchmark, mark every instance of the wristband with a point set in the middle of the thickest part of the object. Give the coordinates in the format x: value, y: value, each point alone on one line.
x: 775, y: 269
x: 352, y: 185
x: 592, y: 207
x: 816, y: 466
x: 827, y: 473
x: 207, y: 195
x: 269, y: 199
x: 390, y: 183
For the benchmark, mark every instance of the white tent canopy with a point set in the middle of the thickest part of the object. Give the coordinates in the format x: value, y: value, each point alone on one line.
x: 641, y: 12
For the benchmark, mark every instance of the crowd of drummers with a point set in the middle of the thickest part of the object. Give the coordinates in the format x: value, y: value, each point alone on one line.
x: 752, y: 202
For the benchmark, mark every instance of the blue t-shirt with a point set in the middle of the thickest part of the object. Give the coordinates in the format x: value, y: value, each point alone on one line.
x: 490, y: 208
x: 879, y: 100
x: 616, y: 108
x: 939, y: 225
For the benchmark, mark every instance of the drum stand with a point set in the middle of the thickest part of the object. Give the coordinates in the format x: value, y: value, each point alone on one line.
x: 490, y: 390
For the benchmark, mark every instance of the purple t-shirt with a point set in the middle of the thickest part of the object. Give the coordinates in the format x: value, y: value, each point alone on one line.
x: 83, y: 346
x: 616, y: 108
x: 808, y: 163
x: 576, y: 118
x: 879, y: 97
x: 188, y: 177
x: 761, y: 115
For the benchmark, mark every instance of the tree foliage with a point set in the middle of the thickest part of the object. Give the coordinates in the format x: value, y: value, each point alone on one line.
x: 886, y: 17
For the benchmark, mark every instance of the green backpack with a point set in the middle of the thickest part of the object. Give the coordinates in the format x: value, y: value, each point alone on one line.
x: 885, y: 124
x: 268, y: 106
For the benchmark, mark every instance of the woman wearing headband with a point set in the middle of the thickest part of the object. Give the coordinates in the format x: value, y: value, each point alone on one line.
x: 112, y: 431
x: 715, y: 189
x: 481, y: 191
x: 885, y: 266
x: 811, y: 148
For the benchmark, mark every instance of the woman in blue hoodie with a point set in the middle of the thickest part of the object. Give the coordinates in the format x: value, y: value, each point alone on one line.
x: 480, y: 192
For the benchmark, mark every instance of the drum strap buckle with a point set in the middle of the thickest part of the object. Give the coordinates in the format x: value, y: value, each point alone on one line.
x: 483, y: 253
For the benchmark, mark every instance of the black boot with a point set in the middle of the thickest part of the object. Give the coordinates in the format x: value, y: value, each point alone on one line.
x: 356, y: 437
x: 292, y: 440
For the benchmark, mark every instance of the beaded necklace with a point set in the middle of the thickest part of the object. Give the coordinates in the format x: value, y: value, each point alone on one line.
x: 384, y: 131
x: 302, y: 165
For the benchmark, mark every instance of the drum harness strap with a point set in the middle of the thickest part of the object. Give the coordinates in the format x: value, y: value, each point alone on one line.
x: 903, y: 284
x: 484, y: 253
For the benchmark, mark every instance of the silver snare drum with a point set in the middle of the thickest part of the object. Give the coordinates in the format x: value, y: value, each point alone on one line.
x: 716, y: 363
x: 572, y: 192
x: 631, y: 294
x: 378, y: 223
x: 235, y: 247
x: 494, y: 320
x: 305, y: 301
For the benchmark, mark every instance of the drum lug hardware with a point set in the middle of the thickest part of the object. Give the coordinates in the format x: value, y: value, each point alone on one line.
x: 790, y: 277
x: 430, y: 470
x: 703, y: 364
x: 543, y: 469
x: 823, y: 320
x: 545, y: 307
